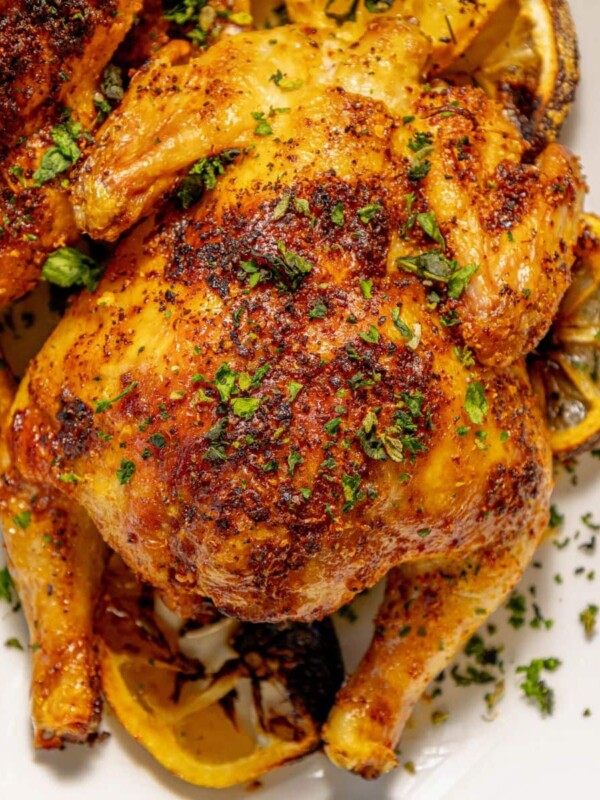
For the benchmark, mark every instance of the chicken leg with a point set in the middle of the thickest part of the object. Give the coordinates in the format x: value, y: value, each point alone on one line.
x: 430, y: 609
x: 55, y: 558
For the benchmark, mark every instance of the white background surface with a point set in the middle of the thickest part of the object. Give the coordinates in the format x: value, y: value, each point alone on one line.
x: 516, y: 755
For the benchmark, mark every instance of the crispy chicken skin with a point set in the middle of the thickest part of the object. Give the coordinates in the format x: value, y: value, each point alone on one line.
x: 48, y: 63
x: 266, y: 401
x: 212, y: 475
x: 55, y: 557
x: 55, y: 60
x: 519, y: 220
x: 429, y: 611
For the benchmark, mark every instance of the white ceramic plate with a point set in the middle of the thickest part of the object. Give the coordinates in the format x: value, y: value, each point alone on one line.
x: 517, y: 754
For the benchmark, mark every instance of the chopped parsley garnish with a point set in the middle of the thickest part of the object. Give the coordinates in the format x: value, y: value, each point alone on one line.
x: 556, y: 518
x: 294, y: 459
x: 63, y: 154
x: 352, y: 493
x: 22, y: 520
x: 281, y: 208
x: 318, y: 311
x: 7, y: 587
x: 68, y: 267
x: 516, y: 605
x: 464, y: 355
x: 263, y: 127
x: 216, y: 437
x: 224, y: 381
x: 294, y: 389
x: 198, y: 18
x: 105, y: 405
x: 459, y: 280
x: 371, y: 336
x: 366, y: 288
x: 125, y: 472
x: 333, y: 426
x: 158, y: 440
x: 288, y: 269
x: 111, y: 91
x: 420, y: 140
x: 245, y: 407
x: 419, y: 171
x: 368, y: 213
x: 476, y: 404
x: 14, y: 643
x: 588, y: 619
x: 204, y: 175
x: 281, y: 80
x: 337, y: 215
x: 434, y: 265
x: 428, y: 223
x: 534, y: 687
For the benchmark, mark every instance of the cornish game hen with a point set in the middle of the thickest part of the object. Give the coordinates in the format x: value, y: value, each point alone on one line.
x: 315, y: 373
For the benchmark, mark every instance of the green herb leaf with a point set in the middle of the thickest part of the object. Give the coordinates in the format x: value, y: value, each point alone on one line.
x: 459, y: 280
x: 534, y: 687
x: 294, y: 389
x: 294, y: 459
x: 419, y: 171
x: 368, y: 213
x: 125, y: 472
x: 352, y: 494
x: 332, y: 426
x: 286, y: 84
x: 7, y: 588
x: 22, y: 520
x: 318, y: 311
x: 476, y: 404
x: 224, y: 381
x: 158, y: 440
x: 588, y: 619
x: 68, y: 267
x: 429, y: 225
x: 245, y: 407
x: 366, y: 287
x: 104, y: 405
x: 371, y: 336
x: 337, y: 215
x: 203, y: 176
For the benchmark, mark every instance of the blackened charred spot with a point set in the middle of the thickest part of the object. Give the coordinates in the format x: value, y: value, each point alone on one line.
x: 253, y: 506
x: 515, y: 184
x: 219, y: 283
x: 35, y: 49
x: 76, y: 426
x: 213, y: 248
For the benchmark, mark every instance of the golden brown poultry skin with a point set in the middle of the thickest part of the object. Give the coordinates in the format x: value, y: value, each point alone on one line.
x: 519, y: 219
x: 48, y: 63
x: 55, y: 59
x: 55, y: 557
x: 429, y: 611
x: 273, y: 500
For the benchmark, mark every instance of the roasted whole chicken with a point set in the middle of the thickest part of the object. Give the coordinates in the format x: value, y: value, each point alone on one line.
x: 312, y: 376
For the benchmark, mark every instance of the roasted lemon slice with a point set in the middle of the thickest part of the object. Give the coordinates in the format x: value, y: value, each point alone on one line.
x: 450, y: 24
x: 256, y: 700
x: 527, y: 59
x: 566, y: 370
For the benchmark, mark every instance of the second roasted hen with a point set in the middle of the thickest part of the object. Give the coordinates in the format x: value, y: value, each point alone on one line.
x: 315, y: 373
